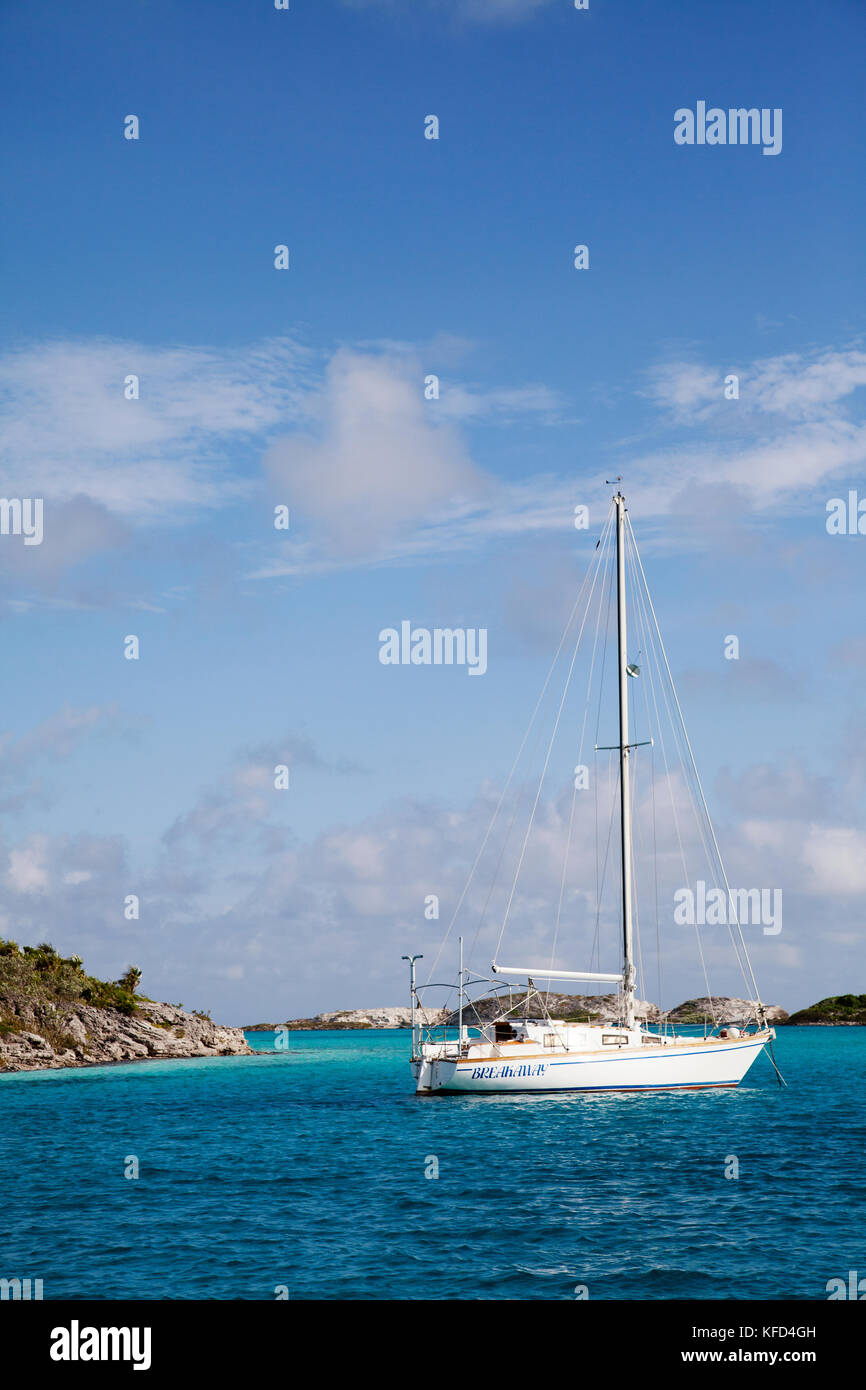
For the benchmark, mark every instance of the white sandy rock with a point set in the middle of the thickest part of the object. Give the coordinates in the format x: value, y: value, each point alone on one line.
x: 398, y: 1016
x: 87, y: 1036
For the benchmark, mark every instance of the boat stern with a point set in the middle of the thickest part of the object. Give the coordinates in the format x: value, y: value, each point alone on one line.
x: 432, y: 1074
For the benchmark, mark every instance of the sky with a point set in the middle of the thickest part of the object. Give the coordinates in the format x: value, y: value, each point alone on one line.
x: 258, y: 387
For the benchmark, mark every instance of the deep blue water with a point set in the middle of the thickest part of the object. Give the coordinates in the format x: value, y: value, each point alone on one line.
x: 307, y: 1169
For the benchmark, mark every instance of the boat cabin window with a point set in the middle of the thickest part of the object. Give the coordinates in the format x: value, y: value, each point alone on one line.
x: 504, y: 1031
x: 550, y: 1040
x: 614, y: 1039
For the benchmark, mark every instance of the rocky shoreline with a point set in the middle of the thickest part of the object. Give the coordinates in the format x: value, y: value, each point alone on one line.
x: 389, y: 1016
x: 88, y: 1037
x: 54, y: 1015
x: 839, y: 1010
x: 602, y: 1009
x: 836, y: 1011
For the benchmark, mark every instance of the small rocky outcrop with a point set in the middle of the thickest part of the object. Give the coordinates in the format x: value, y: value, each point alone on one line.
x: 52, y: 1014
x: 399, y: 1016
x: 602, y: 1009
x: 836, y: 1010
x: 87, y: 1036
x: 571, y: 1008
x: 389, y: 1016
x: 727, y: 1009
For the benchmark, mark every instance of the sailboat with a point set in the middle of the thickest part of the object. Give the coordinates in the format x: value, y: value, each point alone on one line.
x: 518, y: 1046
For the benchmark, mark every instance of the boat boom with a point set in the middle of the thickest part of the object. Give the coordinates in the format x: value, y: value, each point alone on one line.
x: 542, y: 972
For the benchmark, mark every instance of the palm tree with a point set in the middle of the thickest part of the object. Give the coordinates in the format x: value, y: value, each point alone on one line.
x: 130, y: 979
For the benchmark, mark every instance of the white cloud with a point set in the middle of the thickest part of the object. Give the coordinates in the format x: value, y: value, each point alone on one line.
x: 794, y: 386
x: 792, y: 430
x: 52, y: 740
x: 798, y: 386
x: 511, y: 511
x: 777, y: 471
x: 242, y: 802
x: 380, y: 463
x: 787, y: 435
x: 685, y: 387
x: 27, y: 872
x: 500, y: 407
x: 836, y: 859
x: 373, y: 472
x: 818, y: 860
x: 68, y: 430
x: 262, y: 925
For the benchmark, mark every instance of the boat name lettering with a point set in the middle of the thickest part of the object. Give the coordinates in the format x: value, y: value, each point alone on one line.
x: 494, y: 1073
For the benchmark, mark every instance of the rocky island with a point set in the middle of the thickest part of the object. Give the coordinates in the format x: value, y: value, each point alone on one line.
x: 52, y: 1014
x: 837, y: 1009
x: 605, y: 1009
x: 572, y: 1008
x: 388, y: 1016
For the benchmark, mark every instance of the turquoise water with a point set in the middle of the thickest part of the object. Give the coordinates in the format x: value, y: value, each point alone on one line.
x: 307, y: 1169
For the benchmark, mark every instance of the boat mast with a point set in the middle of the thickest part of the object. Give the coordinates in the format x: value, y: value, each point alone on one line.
x: 412, y: 960
x: 624, y: 771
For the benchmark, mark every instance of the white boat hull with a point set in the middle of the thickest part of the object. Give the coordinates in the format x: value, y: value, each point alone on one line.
x: 687, y: 1064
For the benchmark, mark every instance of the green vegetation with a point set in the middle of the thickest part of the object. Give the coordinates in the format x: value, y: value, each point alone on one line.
x: 839, y: 1008
x: 37, y: 979
x: 130, y: 979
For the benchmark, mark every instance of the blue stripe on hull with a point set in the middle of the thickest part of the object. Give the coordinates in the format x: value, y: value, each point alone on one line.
x: 624, y: 1056
x: 464, y: 1067
x: 549, y: 1090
